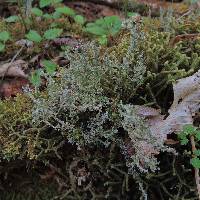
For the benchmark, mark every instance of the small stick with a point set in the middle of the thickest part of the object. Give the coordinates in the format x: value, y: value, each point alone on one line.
x: 13, y: 59
x: 196, y: 170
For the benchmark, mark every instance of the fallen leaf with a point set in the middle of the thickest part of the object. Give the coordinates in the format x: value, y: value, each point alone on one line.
x: 145, y: 111
x: 12, y: 87
x: 153, y: 119
x: 185, y: 105
x: 13, y: 69
x: 93, y: 11
x: 24, y: 42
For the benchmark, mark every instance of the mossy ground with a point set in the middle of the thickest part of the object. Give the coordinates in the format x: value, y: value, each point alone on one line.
x: 39, y: 163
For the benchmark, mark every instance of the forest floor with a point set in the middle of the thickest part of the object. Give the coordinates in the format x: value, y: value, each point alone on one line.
x: 47, y: 156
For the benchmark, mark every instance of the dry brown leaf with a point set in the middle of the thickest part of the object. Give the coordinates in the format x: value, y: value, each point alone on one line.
x: 153, y: 119
x: 186, y: 103
x: 145, y: 111
x: 12, y: 87
x: 13, y: 69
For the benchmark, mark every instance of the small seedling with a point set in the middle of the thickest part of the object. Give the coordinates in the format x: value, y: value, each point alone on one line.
x: 79, y: 19
x: 37, y: 12
x: 35, y: 78
x: 104, y: 27
x: 50, y: 34
x: 192, y: 134
x: 49, y: 70
x: 50, y: 66
x: 185, y: 136
x: 45, y: 3
x: 34, y: 36
x: 12, y: 19
x: 4, y: 37
x: 65, y: 10
x: 53, y: 33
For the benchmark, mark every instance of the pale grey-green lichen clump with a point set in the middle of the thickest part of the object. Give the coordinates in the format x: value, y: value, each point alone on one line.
x: 86, y: 102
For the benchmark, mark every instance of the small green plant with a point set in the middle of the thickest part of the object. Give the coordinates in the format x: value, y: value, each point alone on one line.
x: 132, y: 14
x: 50, y: 66
x: 12, y: 19
x: 104, y: 28
x: 49, y: 34
x: 34, y: 36
x: 65, y: 10
x: 53, y: 33
x: 37, y: 12
x: 35, y: 78
x: 45, y: 3
x: 79, y: 19
x: 4, y: 37
x: 49, y: 70
x: 190, y: 133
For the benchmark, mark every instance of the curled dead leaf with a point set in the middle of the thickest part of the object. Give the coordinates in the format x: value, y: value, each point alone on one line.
x: 186, y: 103
x: 13, y: 69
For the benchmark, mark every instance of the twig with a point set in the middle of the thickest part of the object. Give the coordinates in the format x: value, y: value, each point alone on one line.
x: 196, y: 170
x: 13, y: 59
x: 191, y: 36
x: 186, y: 14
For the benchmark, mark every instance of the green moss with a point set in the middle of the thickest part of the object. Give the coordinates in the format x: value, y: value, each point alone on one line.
x: 90, y: 106
x: 15, y: 118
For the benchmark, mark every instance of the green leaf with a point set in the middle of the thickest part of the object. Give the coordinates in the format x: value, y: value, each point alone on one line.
x: 36, y: 11
x: 54, y: 24
x: 11, y: 19
x: 103, y: 40
x: 197, y: 152
x: 57, y: 1
x: 184, y: 141
x: 4, y: 36
x: 35, y: 78
x: 56, y: 15
x: 96, y: 30
x: 34, y: 36
x: 48, y: 16
x: 105, y: 26
x: 197, y: 135
x: 44, y: 3
x: 195, y: 162
x: 65, y: 10
x: 131, y: 14
x: 183, y: 138
x: 2, y: 47
x: 189, y: 129
x: 50, y: 66
x: 79, y: 19
x: 113, y: 23
x: 52, y: 33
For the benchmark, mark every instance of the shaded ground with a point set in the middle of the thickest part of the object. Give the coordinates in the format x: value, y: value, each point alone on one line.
x: 27, y: 179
